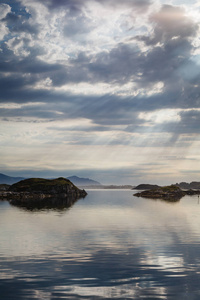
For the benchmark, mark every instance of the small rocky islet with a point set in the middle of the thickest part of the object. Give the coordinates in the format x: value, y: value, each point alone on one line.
x: 168, y: 193
x: 41, y: 192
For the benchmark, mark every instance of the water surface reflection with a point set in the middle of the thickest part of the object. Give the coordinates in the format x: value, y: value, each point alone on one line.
x: 109, y: 245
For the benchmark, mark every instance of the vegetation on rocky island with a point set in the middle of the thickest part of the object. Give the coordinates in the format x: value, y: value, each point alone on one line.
x: 169, y: 193
x: 42, y: 192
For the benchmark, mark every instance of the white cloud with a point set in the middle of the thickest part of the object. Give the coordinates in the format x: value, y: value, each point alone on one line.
x: 3, y: 31
x: 4, y: 10
x: 161, y: 116
x: 17, y: 46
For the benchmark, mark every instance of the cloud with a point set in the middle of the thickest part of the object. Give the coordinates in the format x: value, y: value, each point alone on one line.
x: 189, y: 123
x: 19, y: 23
x: 79, y: 25
x: 72, y: 5
x: 76, y: 5
x: 85, y: 128
x: 171, y: 22
x: 4, y: 10
x: 121, y: 64
x: 107, y: 62
x: 139, y: 5
x: 182, y: 132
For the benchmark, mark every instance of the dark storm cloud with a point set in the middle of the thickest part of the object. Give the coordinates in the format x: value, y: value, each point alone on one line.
x: 22, y: 94
x: 126, y: 63
x: 31, y: 64
x: 172, y: 31
x: 122, y: 64
x: 99, y: 109
x: 18, y: 23
x: 118, y: 65
x: 13, y: 84
x: 106, y: 110
x: 163, y: 62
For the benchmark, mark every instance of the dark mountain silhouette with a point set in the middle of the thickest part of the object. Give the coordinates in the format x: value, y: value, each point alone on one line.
x: 4, y: 179
x: 83, y: 181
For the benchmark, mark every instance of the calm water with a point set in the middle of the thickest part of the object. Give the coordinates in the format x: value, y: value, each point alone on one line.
x: 109, y: 245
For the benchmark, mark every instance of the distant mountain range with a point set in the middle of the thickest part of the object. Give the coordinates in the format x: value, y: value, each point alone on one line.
x: 83, y: 181
x: 87, y: 182
x: 192, y: 185
x: 4, y: 179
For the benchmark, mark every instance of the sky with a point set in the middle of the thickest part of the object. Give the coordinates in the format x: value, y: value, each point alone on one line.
x: 104, y: 89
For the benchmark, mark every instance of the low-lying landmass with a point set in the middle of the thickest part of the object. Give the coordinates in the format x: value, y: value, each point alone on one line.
x: 38, y: 191
x: 42, y: 192
x: 146, y: 186
x: 169, y: 193
x: 120, y: 187
x: 109, y: 187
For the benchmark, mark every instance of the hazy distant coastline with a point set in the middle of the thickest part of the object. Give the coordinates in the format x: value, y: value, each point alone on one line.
x: 87, y: 183
x: 108, y: 187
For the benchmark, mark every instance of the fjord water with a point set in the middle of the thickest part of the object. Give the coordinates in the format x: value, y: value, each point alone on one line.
x: 110, y: 245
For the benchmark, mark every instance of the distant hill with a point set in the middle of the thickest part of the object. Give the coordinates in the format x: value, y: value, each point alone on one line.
x: 4, y: 179
x: 83, y: 181
x: 186, y: 186
x: 146, y: 186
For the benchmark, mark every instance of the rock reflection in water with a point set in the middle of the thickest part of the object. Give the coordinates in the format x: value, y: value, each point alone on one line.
x: 109, y: 246
x: 52, y: 203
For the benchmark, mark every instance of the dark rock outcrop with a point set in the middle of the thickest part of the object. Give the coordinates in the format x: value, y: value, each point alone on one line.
x: 4, y: 187
x: 145, y: 186
x: 42, y: 192
x: 169, y: 193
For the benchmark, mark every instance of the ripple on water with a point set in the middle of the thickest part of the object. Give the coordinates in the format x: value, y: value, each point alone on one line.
x: 110, y: 245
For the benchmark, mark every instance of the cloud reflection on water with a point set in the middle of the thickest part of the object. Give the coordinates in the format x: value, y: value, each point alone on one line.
x: 110, y: 245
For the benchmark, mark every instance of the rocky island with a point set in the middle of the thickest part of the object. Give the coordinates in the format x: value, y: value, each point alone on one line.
x: 169, y: 193
x: 146, y: 186
x: 40, y: 192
